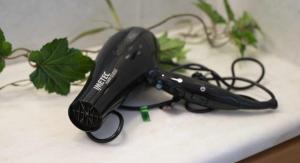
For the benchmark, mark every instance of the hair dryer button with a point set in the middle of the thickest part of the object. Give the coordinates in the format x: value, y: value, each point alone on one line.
x: 159, y: 84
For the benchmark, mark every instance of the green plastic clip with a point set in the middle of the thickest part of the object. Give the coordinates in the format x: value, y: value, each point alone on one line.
x: 144, y: 110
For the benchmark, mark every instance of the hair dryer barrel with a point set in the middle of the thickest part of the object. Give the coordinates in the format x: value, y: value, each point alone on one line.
x: 122, y: 63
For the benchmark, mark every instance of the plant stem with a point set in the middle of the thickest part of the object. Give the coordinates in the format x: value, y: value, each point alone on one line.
x: 31, y: 64
x: 214, y: 30
x: 22, y: 55
x: 77, y: 84
x: 16, y: 83
x: 21, y: 49
x: 17, y: 56
x: 26, y: 55
x: 114, y: 14
x: 210, y: 41
x: 90, y: 51
x: 88, y: 32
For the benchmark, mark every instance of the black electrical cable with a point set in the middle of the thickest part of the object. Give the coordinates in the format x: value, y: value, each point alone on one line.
x: 247, y: 59
x: 114, y: 135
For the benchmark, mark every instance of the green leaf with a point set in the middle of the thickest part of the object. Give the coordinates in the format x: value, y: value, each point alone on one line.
x: 5, y: 47
x: 2, y: 64
x: 243, y: 32
x: 214, y: 16
x: 246, y: 22
x: 171, y: 49
x: 2, y: 37
x: 57, y: 66
x: 5, y: 50
x: 250, y: 38
x: 229, y: 11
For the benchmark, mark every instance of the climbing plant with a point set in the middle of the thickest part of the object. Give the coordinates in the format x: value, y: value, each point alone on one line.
x: 57, y: 66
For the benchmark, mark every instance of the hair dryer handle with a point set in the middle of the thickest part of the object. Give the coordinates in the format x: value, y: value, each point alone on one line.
x: 203, y: 93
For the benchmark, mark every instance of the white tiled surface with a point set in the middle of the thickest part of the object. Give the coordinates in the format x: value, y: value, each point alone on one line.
x: 35, y: 126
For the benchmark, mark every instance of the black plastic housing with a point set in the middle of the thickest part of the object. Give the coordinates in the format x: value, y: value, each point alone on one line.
x: 205, y: 94
x: 122, y: 63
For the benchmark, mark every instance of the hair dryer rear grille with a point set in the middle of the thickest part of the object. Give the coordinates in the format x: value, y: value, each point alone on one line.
x: 85, y: 116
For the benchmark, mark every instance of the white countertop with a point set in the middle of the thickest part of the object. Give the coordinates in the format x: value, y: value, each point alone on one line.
x: 35, y: 126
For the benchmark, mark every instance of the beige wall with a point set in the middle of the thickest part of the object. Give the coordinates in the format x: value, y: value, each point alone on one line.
x: 31, y: 23
x: 280, y: 22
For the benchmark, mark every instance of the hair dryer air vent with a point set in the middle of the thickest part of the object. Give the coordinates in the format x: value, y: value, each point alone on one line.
x: 85, y: 116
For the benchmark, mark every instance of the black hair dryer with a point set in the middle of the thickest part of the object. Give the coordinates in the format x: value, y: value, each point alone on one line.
x: 130, y: 57
x: 122, y: 63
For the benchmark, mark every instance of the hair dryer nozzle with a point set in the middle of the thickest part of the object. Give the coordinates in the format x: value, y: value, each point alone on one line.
x: 122, y: 63
x: 85, y: 116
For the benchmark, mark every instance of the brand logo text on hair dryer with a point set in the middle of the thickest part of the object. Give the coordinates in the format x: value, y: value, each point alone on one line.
x: 105, y: 78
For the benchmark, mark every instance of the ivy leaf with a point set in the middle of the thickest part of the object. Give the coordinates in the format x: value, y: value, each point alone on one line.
x: 57, y: 66
x: 229, y: 11
x: 2, y: 37
x: 5, y: 50
x: 243, y: 32
x: 214, y: 16
x: 2, y: 64
x: 5, y: 47
x: 171, y: 50
x: 247, y: 22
